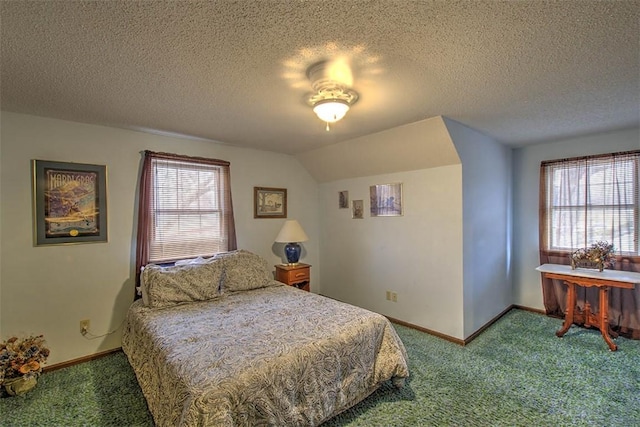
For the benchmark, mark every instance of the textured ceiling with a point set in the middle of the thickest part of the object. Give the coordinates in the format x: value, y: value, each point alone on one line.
x: 234, y: 71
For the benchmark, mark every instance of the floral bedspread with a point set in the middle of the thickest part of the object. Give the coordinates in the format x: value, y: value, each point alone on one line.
x: 269, y: 356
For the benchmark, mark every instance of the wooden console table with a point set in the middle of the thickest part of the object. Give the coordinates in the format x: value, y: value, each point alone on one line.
x: 603, y: 280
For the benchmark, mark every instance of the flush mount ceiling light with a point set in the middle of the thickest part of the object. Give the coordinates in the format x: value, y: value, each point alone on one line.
x: 331, y: 99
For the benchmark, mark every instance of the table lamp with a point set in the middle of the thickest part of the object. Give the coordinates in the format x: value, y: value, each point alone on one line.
x: 292, y: 233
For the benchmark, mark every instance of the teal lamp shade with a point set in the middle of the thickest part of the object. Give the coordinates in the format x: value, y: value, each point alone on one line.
x: 292, y: 233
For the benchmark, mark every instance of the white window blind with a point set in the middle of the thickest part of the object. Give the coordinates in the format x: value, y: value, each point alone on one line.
x: 591, y: 199
x: 187, y: 216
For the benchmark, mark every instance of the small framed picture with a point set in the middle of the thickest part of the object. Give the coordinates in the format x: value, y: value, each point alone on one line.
x: 357, y: 209
x: 386, y: 199
x: 343, y: 199
x: 269, y: 202
x: 69, y: 203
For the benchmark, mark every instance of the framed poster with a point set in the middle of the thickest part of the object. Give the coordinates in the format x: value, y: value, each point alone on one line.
x: 386, y: 199
x: 269, y: 202
x: 343, y: 199
x: 69, y: 202
x: 357, y: 211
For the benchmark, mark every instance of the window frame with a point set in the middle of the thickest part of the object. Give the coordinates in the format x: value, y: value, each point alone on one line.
x: 145, y: 199
x: 549, y: 243
x: 157, y: 212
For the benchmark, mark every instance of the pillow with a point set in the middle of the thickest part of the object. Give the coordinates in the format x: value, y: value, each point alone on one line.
x: 245, y: 271
x: 198, y: 260
x: 165, y: 286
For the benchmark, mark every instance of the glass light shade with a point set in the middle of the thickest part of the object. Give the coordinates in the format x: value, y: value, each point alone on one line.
x: 331, y: 111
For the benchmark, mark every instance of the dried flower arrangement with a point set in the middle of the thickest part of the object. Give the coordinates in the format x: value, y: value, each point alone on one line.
x: 599, y: 255
x: 21, y: 362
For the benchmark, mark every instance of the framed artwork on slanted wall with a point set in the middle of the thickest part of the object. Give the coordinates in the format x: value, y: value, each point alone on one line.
x: 357, y: 209
x: 386, y: 199
x: 343, y: 199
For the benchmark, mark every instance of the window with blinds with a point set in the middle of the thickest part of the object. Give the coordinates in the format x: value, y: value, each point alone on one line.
x: 589, y: 199
x: 187, y: 209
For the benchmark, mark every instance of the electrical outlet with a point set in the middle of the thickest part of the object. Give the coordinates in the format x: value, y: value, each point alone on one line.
x: 394, y: 297
x: 84, y: 326
x: 388, y: 295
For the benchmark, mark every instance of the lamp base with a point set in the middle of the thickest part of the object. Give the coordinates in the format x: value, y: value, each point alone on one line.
x: 292, y: 252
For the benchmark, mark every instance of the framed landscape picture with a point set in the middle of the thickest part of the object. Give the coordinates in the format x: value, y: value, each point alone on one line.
x: 69, y: 202
x: 269, y: 202
x: 386, y: 199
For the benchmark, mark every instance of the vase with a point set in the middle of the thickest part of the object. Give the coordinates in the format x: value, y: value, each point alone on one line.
x: 20, y: 385
x: 292, y: 251
x: 581, y: 263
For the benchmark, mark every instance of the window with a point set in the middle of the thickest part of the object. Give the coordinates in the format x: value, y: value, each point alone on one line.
x: 185, y: 208
x: 588, y: 199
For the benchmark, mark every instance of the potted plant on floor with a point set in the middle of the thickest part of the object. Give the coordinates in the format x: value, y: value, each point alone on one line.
x: 21, y: 362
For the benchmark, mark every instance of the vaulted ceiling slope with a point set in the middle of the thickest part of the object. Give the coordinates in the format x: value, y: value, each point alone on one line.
x: 421, y: 145
x: 235, y: 71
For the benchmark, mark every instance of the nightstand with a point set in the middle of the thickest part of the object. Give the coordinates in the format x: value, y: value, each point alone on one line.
x: 297, y: 275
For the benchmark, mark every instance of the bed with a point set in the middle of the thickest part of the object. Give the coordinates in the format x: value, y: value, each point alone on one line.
x: 220, y: 343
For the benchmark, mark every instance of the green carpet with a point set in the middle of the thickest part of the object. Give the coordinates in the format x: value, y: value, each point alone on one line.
x: 516, y: 373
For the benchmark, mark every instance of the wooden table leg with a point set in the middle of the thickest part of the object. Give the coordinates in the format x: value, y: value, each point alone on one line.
x: 568, y: 313
x: 613, y: 279
x: 604, y: 320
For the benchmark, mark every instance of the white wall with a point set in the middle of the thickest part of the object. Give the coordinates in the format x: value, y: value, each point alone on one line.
x: 486, y: 190
x: 448, y: 257
x: 434, y: 257
x: 49, y: 289
x: 416, y: 255
x: 526, y: 166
